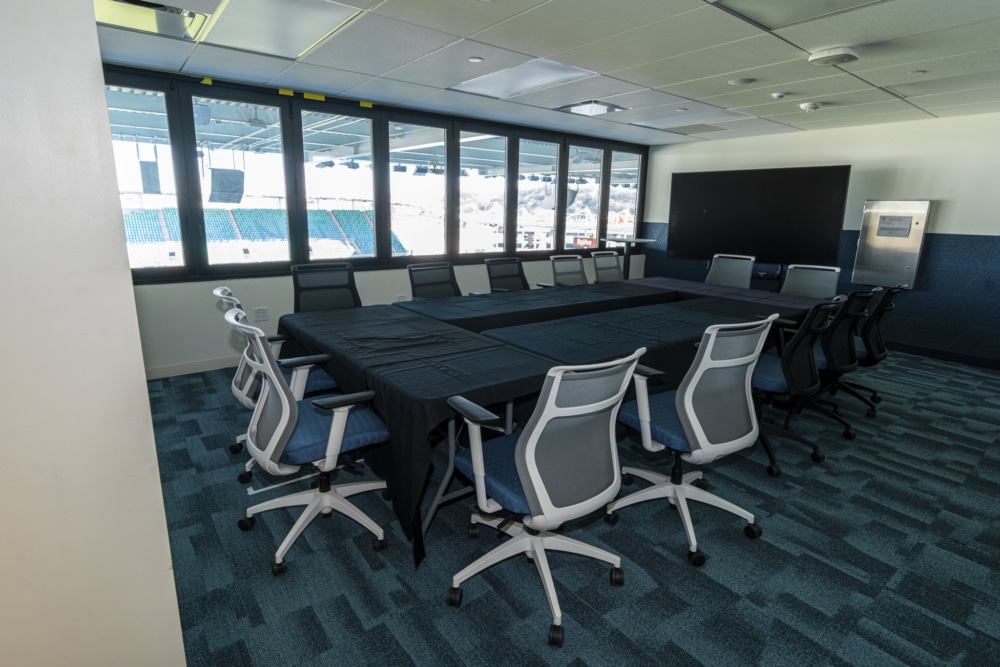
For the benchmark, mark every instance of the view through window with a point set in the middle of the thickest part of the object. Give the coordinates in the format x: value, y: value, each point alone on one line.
x: 417, y: 189
x: 583, y: 197
x: 537, y: 187
x: 482, y: 192
x: 623, y: 195
x: 145, y: 168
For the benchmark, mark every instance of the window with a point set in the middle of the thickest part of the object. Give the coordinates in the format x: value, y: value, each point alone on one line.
x: 339, y: 185
x: 583, y: 197
x: 537, y: 188
x: 623, y: 199
x: 144, y: 162
x: 417, y: 189
x: 242, y: 181
x: 482, y: 186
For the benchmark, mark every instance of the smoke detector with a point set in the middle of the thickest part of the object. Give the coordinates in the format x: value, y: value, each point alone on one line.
x: 836, y: 56
x: 809, y: 107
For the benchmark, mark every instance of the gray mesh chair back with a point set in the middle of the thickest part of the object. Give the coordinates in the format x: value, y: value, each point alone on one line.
x: 573, y: 421
x: 506, y: 274
x: 567, y: 270
x: 433, y: 280
x: 246, y: 381
x: 810, y: 280
x: 606, y: 267
x: 731, y: 270
x: 326, y: 286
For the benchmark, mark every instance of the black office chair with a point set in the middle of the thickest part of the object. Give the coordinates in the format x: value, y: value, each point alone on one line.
x: 567, y: 270
x: 870, y: 346
x: 606, y: 267
x: 433, y: 280
x: 788, y: 379
x: 506, y: 274
x: 327, y: 286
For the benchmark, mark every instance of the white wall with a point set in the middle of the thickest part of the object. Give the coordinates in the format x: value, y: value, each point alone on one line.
x: 183, y: 330
x: 952, y: 161
x: 87, y: 576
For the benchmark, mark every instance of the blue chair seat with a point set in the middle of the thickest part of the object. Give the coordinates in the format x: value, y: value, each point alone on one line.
x: 665, y: 428
x: 768, y: 376
x: 319, y: 380
x: 502, y: 481
x: 308, y: 442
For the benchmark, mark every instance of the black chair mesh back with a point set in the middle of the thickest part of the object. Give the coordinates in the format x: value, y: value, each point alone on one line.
x: 606, y: 267
x: 506, y: 274
x: 838, y: 341
x: 870, y: 328
x: 798, y: 360
x: 567, y: 270
x: 327, y: 286
x: 433, y: 280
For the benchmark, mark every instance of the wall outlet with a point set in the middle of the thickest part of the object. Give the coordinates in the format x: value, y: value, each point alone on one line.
x: 260, y: 314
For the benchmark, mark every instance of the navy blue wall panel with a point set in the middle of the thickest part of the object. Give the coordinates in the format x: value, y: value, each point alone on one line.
x: 952, y: 312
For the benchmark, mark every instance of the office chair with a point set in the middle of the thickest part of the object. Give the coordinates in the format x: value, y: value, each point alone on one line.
x: 325, y: 286
x: 870, y: 346
x: 433, y: 280
x: 506, y: 274
x: 731, y: 270
x: 606, y: 267
x: 788, y: 378
x: 563, y: 465
x: 567, y: 270
x: 710, y: 415
x: 819, y: 282
x: 286, y: 434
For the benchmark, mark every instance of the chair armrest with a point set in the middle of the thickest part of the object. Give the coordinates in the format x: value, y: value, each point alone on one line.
x: 474, y: 413
x: 278, y: 338
x: 341, y: 400
x: 499, y: 289
x: 647, y: 371
x: 479, y: 293
x: 546, y: 284
x: 311, y: 360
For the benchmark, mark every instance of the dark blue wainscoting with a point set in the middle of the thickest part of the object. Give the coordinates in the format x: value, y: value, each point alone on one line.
x: 953, y: 312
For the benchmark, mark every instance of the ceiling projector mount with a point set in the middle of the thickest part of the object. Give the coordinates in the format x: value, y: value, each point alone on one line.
x: 836, y: 56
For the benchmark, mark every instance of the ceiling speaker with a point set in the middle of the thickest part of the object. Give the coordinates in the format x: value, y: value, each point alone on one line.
x: 837, y: 56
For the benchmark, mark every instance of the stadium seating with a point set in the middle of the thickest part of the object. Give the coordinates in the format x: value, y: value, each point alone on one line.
x: 261, y: 224
x: 359, y: 230
x: 143, y: 227
x: 322, y: 226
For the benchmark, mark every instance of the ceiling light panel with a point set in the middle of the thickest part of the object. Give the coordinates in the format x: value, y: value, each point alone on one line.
x: 458, y: 17
x: 363, y: 45
x: 531, y: 75
x: 159, y: 19
x: 591, y: 88
x: 559, y: 25
x: 450, y: 66
x: 265, y: 26
x: 776, y: 13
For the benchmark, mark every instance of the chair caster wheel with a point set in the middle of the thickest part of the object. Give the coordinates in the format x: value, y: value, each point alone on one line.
x: 378, y: 544
x: 818, y: 456
x: 555, y: 635
x: 872, y: 412
x: 617, y: 576
x: 701, y: 483
x: 773, y: 471
x: 696, y: 558
x: 876, y: 398
x: 454, y: 597
x: 236, y: 448
x: 386, y: 495
x: 753, y: 531
x: 246, y: 523
x: 611, y: 519
x: 473, y: 530
x: 326, y: 515
x: 849, y: 434
x: 244, y: 477
x: 627, y: 480
x: 278, y: 568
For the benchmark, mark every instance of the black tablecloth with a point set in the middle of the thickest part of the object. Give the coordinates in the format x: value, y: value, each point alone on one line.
x: 413, y: 363
x: 503, y: 309
x: 686, y: 289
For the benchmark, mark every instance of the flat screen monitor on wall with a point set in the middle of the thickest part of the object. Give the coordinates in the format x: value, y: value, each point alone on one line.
x: 780, y: 216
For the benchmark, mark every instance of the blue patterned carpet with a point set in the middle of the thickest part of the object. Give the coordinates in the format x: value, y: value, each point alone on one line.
x: 888, y: 553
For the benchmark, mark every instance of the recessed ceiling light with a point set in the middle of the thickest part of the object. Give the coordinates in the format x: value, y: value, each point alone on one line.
x: 917, y: 72
x: 741, y: 82
x: 681, y: 109
x: 591, y: 108
x: 533, y: 74
x: 475, y: 59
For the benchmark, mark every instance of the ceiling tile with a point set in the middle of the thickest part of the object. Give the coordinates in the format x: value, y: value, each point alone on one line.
x: 216, y: 61
x: 125, y: 47
x: 643, y: 98
x: 690, y: 31
x: 774, y: 128
x: 776, y: 13
x: 285, y: 28
x: 450, y: 66
x: 662, y: 111
x: 778, y: 75
x: 969, y: 63
x: 692, y: 118
x: 951, y: 84
x: 387, y: 91
x: 579, y: 90
x: 727, y: 58
x: 966, y: 39
x: 897, y: 115
x: 968, y: 109
x: 559, y: 25
x: 942, y: 101
x: 356, y: 47
x: 798, y: 118
x: 458, y: 17
x: 457, y: 102
x: 315, y: 79
x: 751, y: 101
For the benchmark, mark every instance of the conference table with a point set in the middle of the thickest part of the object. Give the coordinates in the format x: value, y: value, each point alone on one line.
x: 414, y: 362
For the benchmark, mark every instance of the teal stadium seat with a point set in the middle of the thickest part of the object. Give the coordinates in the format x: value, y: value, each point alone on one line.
x: 217, y: 225
x: 359, y: 230
x: 323, y: 226
x: 143, y: 227
x: 261, y: 224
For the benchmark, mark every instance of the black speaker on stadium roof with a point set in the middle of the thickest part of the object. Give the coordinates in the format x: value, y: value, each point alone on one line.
x: 227, y: 186
x: 150, y: 172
